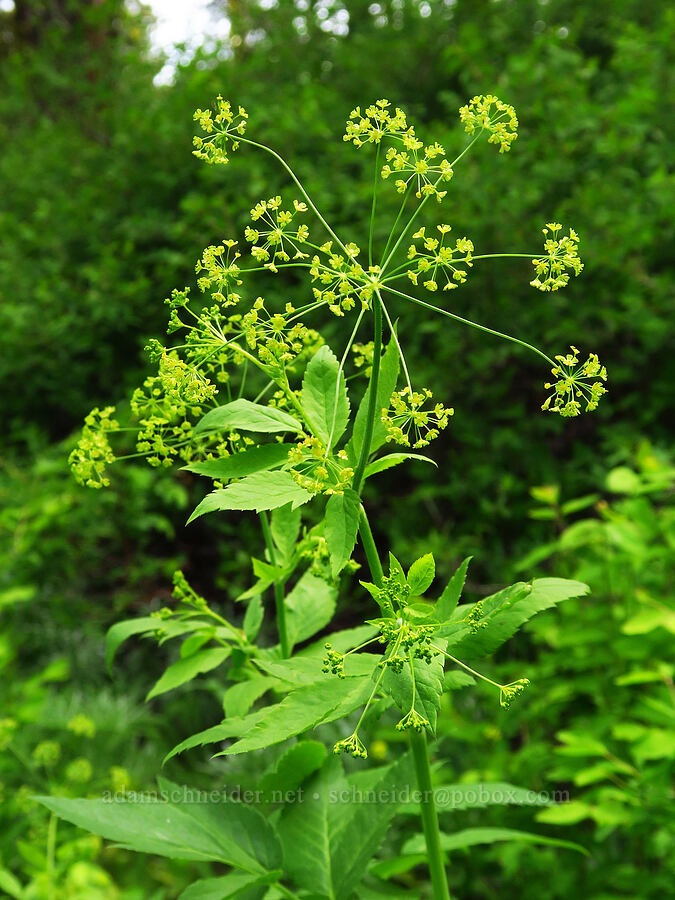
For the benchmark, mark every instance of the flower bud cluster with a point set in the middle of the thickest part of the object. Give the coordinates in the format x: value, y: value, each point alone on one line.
x: 407, y: 423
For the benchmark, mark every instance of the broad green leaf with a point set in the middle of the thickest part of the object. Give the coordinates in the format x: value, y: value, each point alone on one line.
x: 393, y: 459
x: 262, y: 490
x: 119, y: 632
x: 310, y: 607
x: 302, y: 709
x: 285, y: 527
x: 253, y: 618
x: 503, y: 614
x: 240, y: 697
x: 227, y: 887
x: 389, y: 367
x: 421, y: 574
x: 428, y: 687
x: 470, y: 837
x: 342, y: 641
x: 256, y: 459
x: 324, y: 397
x: 341, y: 527
x: 307, y: 669
x: 308, y: 830
x: 365, y: 824
x: 447, y: 602
x: 235, y: 834
x: 243, y: 415
x: 186, y: 669
x: 291, y: 769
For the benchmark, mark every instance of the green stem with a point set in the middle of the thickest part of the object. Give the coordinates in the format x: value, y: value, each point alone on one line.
x: 279, y: 600
x: 295, y: 178
x: 445, y: 312
x: 432, y: 834
x: 372, y: 396
x: 369, y: 548
x: 372, y: 209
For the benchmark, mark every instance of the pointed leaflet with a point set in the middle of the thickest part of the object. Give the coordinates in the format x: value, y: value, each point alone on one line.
x: 503, y: 613
x: 310, y: 607
x: 240, y: 697
x: 237, y: 835
x: 262, y: 490
x: 447, y: 602
x: 393, y: 459
x: 324, y: 396
x: 256, y: 459
x: 285, y: 527
x: 385, y: 388
x: 470, y: 837
x: 120, y: 631
x: 341, y: 527
x: 303, y: 709
x: 243, y: 415
x: 428, y: 686
x: 421, y: 574
x: 186, y: 669
x: 253, y: 618
x: 478, y: 796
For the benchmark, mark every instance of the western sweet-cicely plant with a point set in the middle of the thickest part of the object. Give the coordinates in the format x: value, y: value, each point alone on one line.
x: 252, y: 398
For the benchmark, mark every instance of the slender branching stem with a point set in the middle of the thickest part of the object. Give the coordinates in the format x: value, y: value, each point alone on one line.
x: 279, y: 599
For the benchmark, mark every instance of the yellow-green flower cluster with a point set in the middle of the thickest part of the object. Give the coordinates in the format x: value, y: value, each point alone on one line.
x: 424, y: 169
x: 219, y: 273
x: 373, y: 125
x: 220, y: 132
x: 491, y: 114
x: 318, y: 471
x: 93, y: 452
x: 277, y: 238
x: 439, y: 256
x: 352, y: 745
x: 363, y: 357
x: 163, y: 405
x: 407, y: 423
x: 561, y: 254
x: 575, y: 383
x: 509, y: 692
x: 274, y: 337
x: 345, y: 279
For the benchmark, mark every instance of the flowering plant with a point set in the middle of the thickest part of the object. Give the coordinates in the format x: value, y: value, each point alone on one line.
x: 289, y: 439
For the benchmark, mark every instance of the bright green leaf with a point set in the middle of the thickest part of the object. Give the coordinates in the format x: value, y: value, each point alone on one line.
x: 186, y: 669
x: 341, y: 527
x: 255, y: 459
x: 243, y: 415
x: 260, y: 491
x: 324, y: 396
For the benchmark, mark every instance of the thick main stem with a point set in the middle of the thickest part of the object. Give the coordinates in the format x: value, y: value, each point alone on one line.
x: 418, y: 741
x: 432, y: 835
x: 279, y: 600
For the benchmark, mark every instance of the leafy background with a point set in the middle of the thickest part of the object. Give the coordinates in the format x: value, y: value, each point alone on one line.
x: 105, y: 210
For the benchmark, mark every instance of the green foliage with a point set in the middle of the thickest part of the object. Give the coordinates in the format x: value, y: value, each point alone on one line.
x: 86, y: 259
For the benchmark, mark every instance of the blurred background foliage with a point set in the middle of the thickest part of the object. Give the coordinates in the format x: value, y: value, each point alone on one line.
x: 104, y: 210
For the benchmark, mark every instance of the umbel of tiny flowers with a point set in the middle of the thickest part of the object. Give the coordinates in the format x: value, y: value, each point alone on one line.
x: 489, y: 113
x: 407, y: 423
x: 561, y: 253
x: 575, y: 383
x: 220, y: 131
x: 435, y: 255
x: 93, y: 452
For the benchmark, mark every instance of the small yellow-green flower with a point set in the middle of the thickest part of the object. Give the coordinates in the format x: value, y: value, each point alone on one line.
x: 576, y: 384
x: 407, y: 423
x: 562, y: 253
x: 220, y: 132
x: 489, y: 113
